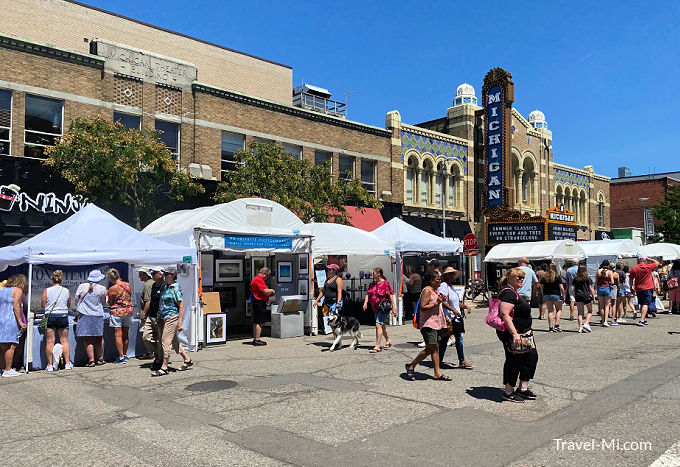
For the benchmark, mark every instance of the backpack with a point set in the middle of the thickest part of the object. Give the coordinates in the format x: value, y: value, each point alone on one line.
x: 416, y: 315
x: 493, y: 319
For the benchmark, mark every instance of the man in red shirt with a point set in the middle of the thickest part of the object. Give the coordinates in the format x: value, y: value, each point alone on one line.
x: 260, y: 296
x: 643, y: 284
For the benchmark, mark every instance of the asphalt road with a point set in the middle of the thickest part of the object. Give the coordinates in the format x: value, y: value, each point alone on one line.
x: 294, y: 402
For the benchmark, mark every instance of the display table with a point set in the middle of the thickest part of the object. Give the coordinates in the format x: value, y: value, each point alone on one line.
x: 78, y: 355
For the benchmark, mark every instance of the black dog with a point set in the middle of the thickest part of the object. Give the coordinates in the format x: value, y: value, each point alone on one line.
x: 344, y: 325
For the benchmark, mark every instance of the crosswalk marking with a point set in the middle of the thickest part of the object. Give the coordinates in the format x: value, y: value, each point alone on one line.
x: 670, y: 458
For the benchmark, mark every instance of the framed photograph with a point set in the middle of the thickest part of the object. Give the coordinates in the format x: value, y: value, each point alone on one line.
x: 258, y: 263
x: 216, y: 328
x: 284, y: 270
x: 303, y: 284
x: 228, y: 270
x: 303, y: 263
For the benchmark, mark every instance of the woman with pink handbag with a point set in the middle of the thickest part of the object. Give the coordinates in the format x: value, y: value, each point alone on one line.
x: 521, y: 356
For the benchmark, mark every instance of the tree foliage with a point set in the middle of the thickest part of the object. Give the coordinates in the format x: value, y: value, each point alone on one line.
x: 267, y: 171
x: 668, y: 211
x: 108, y: 163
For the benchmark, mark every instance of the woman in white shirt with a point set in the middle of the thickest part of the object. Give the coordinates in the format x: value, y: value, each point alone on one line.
x: 90, y: 301
x: 454, y: 312
x: 56, y: 300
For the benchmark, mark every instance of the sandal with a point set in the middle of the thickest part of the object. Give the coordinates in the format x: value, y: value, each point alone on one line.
x: 100, y: 362
x: 387, y: 346
x: 466, y: 365
x: 90, y: 364
x: 160, y: 372
x: 375, y: 350
x: 410, y: 372
x: 186, y: 365
x: 442, y: 378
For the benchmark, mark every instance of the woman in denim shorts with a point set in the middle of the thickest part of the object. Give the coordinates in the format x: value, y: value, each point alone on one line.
x: 603, y: 281
x: 553, y: 292
x: 379, y: 294
x: 119, y: 297
x: 56, y: 301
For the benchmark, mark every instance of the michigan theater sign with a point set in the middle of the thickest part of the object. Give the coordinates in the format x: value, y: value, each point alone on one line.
x: 498, y: 94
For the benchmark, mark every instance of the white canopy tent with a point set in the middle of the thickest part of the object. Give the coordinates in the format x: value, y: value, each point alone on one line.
x: 554, y: 250
x: 612, y: 250
x: 667, y: 251
x: 364, y: 250
x: 93, y: 236
x: 409, y: 239
x: 206, y: 228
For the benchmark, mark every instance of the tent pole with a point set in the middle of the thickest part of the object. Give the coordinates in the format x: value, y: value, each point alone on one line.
x: 197, y: 306
x: 28, y: 344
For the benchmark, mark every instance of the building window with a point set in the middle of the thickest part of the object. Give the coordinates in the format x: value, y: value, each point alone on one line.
x: 131, y: 122
x: 169, y: 136
x: 600, y: 211
x: 411, y: 172
x: 368, y: 176
x: 425, y: 180
x: 231, y: 142
x: 43, y: 124
x: 321, y: 157
x: 294, y: 150
x: 5, y: 120
x: 346, y: 167
x: 451, y: 190
x: 438, y: 185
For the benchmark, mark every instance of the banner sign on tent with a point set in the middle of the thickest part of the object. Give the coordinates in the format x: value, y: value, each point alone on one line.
x: 255, y: 241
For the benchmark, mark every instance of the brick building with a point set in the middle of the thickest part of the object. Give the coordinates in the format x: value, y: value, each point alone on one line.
x: 627, y: 210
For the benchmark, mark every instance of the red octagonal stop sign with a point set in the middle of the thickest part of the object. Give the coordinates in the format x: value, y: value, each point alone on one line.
x: 470, y: 241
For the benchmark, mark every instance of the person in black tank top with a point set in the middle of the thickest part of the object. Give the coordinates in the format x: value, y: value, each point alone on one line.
x: 331, y: 291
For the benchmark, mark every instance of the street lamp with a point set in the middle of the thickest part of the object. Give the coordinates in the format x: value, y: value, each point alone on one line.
x: 443, y: 191
x: 644, y: 218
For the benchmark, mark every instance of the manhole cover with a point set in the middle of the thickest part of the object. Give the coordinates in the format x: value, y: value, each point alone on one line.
x: 212, y: 386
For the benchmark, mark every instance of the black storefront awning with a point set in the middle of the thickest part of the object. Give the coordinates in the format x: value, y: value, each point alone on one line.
x: 454, y: 228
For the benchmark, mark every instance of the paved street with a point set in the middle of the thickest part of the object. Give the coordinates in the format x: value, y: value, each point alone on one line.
x: 293, y: 402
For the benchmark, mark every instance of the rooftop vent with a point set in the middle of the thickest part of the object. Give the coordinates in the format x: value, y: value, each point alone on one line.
x: 318, y: 100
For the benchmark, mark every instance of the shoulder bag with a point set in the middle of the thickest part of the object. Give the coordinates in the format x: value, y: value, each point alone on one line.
x: 43, y: 321
x: 493, y: 319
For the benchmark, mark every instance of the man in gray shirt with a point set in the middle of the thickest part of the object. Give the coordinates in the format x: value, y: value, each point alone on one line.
x: 530, y: 280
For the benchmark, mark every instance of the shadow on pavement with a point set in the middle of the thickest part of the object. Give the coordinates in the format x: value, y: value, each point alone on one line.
x: 486, y: 393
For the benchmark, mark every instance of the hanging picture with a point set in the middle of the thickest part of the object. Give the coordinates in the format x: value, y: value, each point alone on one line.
x: 216, y: 328
x: 228, y: 270
x: 303, y: 264
x: 259, y: 262
x: 302, y: 287
x: 284, y: 270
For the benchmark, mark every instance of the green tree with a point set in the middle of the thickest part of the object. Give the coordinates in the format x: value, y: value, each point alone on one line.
x: 267, y: 171
x: 108, y: 163
x: 668, y: 211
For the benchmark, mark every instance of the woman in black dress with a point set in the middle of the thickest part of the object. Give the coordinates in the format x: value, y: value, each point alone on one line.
x: 521, y: 356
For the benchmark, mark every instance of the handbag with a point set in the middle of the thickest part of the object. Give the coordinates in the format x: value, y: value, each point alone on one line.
x: 448, y: 329
x: 43, y: 320
x: 526, y: 343
x: 493, y: 319
x: 385, y: 306
x: 673, y: 283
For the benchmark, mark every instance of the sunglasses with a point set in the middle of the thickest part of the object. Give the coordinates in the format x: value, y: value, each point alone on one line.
x: 520, y: 278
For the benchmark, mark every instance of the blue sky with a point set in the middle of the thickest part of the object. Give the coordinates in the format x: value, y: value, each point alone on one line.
x: 604, y: 73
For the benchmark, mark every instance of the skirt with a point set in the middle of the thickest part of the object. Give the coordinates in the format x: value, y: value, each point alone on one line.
x: 90, y: 326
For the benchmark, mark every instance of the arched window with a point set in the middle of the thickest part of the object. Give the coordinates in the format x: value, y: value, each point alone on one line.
x: 438, y: 185
x: 411, y: 177
x: 600, y: 210
x: 516, y: 178
x: 583, y: 208
x: 425, y: 181
x: 567, y: 198
x: 455, y: 188
x: 529, y: 181
x: 559, y: 196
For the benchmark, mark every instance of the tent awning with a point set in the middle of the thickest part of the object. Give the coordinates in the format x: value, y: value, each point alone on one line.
x: 337, y: 239
x: 616, y: 248
x: 454, y: 228
x: 535, y: 251
x: 667, y: 251
x: 408, y: 238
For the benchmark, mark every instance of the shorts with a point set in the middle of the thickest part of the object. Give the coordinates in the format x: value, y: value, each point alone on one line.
x: 553, y: 298
x: 57, y: 322
x: 381, y: 317
x: 615, y: 291
x: 645, y: 297
x: 430, y: 336
x: 604, y: 291
x: 259, y: 312
x: 120, y: 321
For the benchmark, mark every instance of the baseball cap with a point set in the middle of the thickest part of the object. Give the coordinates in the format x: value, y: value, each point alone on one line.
x: 145, y: 270
x: 333, y: 266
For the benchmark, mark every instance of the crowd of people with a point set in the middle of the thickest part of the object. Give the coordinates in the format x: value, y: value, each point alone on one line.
x: 161, y: 305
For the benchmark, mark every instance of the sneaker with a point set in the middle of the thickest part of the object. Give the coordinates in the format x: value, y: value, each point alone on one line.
x: 451, y: 342
x: 11, y: 373
x: 126, y: 358
x: 551, y: 330
x: 580, y: 330
x: 513, y: 397
x: 587, y: 327
x: 614, y: 323
x: 571, y: 318
x: 120, y: 360
x: 605, y: 324
x: 68, y: 366
x: 643, y: 323
x: 259, y: 342
x: 422, y: 344
x: 621, y: 320
x: 526, y: 394
x: 557, y: 328
x: 49, y: 368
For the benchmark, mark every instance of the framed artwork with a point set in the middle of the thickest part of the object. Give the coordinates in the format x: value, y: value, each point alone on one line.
x: 303, y: 263
x: 284, y: 270
x: 216, y: 328
x: 303, y: 284
x: 228, y: 270
x: 258, y: 263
